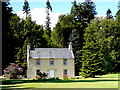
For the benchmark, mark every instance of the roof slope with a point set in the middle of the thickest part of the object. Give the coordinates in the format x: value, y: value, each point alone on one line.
x: 51, y: 53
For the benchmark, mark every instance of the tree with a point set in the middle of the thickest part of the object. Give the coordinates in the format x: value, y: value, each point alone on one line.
x: 118, y: 16
x: 109, y: 14
x: 76, y: 43
x: 83, y: 13
x: 61, y: 32
x: 47, y: 26
x: 13, y: 71
x: 91, y: 56
x: 71, y: 27
x: 33, y: 34
x: 7, y: 38
x: 100, y: 53
x: 26, y: 8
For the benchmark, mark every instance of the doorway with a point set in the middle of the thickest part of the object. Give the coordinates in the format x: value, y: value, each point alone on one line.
x: 52, y: 73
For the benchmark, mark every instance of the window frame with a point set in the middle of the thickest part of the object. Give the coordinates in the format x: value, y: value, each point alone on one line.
x: 37, y: 72
x: 52, y: 62
x: 65, y: 62
x: 65, y: 72
x: 37, y: 62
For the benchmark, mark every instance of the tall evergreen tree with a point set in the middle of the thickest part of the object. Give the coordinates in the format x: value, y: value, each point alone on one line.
x: 47, y: 26
x: 100, y: 52
x: 61, y: 32
x: 73, y: 9
x: 83, y: 13
x: 91, y: 56
x: 109, y: 14
x: 26, y: 8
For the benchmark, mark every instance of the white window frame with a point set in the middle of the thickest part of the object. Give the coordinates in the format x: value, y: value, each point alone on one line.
x: 38, y: 62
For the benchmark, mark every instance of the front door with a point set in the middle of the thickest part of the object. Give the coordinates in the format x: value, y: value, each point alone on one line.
x: 52, y: 73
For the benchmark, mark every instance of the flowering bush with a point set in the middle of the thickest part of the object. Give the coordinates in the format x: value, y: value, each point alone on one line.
x: 37, y: 77
x: 13, y: 71
x: 65, y: 77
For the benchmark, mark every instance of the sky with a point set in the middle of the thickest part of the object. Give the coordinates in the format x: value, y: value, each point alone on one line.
x: 59, y: 7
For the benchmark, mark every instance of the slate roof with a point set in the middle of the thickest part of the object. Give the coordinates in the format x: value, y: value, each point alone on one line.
x: 51, y: 53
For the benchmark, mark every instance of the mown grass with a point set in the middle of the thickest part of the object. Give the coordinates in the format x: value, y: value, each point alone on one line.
x: 105, y: 81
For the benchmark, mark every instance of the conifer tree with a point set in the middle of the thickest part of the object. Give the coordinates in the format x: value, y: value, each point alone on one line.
x: 83, y: 13
x: 109, y: 14
x: 91, y: 56
x: 47, y: 26
x: 101, y: 48
x: 26, y: 8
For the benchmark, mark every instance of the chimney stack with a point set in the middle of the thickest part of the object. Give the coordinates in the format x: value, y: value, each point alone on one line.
x: 70, y: 46
x: 28, y: 46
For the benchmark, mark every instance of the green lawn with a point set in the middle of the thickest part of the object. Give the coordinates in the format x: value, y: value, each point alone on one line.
x: 105, y: 81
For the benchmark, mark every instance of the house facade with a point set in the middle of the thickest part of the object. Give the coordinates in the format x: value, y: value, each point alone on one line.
x: 56, y: 62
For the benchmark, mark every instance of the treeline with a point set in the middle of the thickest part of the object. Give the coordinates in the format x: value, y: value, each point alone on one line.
x: 17, y: 33
x: 95, y: 41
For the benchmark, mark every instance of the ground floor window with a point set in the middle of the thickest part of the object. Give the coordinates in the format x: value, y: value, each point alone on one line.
x: 65, y: 72
x: 37, y: 72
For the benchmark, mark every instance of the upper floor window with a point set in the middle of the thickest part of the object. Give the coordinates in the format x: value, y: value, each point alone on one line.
x: 65, y: 62
x: 51, y: 62
x: 37, y: 62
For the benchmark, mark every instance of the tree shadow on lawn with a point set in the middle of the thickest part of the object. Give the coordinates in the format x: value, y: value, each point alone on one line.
x: 16, y: 81
x: 7, y: 82
x: 70, y: 81
x: 13, y: 87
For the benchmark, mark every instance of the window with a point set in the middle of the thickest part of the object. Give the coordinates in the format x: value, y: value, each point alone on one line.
x: 37, y: 72
x: 65, y: 72
x: 65, y: 62
x: 51, y: 62
x: 37, y: 62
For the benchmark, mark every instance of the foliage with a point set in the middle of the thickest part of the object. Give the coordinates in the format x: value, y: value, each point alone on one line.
x: 100, y: 52
x: 109, y: 14
x: 33, y: 34
x: 61, y: 32
x: 70, y: 28
x: 83, y: 13
x: 118, y: 16
x: 26, y: 8
x: 13, y: 71
x: 7, y: 40
x: 47, y: 26
x: 43, y: 75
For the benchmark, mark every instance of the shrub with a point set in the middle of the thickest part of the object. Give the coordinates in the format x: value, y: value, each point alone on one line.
x: 65, y: 77
x: 42, y: 75
x: 57, y: 78
x: 13, y: 71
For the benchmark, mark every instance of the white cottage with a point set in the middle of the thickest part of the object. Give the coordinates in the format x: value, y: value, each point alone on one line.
x: 57, y: 62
